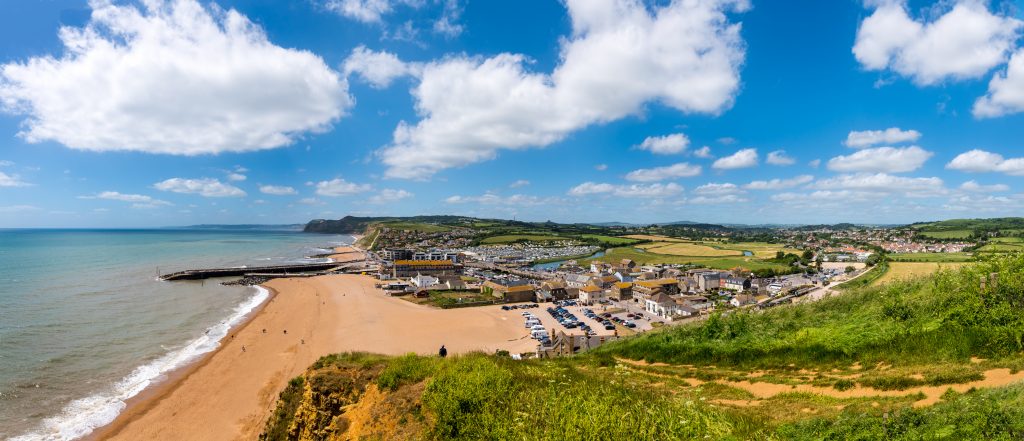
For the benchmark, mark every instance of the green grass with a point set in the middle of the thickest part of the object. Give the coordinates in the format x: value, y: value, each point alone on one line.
x: 612, y: 240
x: 727, y: 262
x: 417, y: 226
x: 950, y: 234
x: 512, y: 238
x: 931, y: 257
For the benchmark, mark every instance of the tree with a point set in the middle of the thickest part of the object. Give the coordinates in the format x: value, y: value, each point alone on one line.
x: 808, y: 255
x: 850, y: 269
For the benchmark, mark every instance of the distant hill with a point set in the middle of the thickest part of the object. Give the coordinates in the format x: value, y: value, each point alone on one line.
x: 993, y: 224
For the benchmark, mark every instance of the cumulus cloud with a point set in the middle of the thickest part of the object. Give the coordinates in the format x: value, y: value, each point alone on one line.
x: 779, y: 184
x: 779, y: 157
x: 717, y: 199
x: 881, y: 159
x: 520, y: 200
x: 635, y: 190
x: 965, y: 42
x: 982, y: 161
x: 703, y: 152
x: 340, y: 187
x: 1005, y: 91
x: 674, y: 171
x: 621, y: 55
x: 519, y: 183
x: 665, y: 145
x: 884, y: 183
x: 742, y: 159
x: 206, y: 187
x: 236, y: 177
x: 367, y: 11
x: 389, y: 195
x: 601, y: 167
x: 7, y: 180
x: 717, y: 189
x: 172, y: 78
x: 137, y: 200
x: 893, y: 135
x: 378, y: 69
x: 975, y: 187
x: 277, y: 190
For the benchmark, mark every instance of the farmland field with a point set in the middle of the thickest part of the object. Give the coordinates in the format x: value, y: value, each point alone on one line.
x: 951, y: 234
x: 931, y: 257
x: 614, y: 240
x: 654, y: 238
x: 689, y: 249
x: 416, y: 226
x: 1004, y: 247
x: 724, y: 262
x: 910, y: 270
x: 509, y: 238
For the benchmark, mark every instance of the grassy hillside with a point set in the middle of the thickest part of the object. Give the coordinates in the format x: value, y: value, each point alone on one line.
x: 933, y: 358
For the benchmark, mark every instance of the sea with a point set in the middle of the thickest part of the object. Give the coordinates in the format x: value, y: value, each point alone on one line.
x: 85, y: 323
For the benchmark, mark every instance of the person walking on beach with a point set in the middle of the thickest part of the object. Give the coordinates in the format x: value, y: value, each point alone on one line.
x: 443, y: 352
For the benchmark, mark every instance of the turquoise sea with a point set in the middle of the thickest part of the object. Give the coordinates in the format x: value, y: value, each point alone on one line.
x: 85, y: 324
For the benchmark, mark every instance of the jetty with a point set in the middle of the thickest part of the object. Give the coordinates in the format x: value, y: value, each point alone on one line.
x: 199, y: 274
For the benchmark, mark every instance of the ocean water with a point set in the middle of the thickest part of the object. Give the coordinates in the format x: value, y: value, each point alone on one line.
x: 85, y: 324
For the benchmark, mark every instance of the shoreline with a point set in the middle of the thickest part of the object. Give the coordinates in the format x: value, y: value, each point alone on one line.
x: 229, y: 394
x: 151, y: 396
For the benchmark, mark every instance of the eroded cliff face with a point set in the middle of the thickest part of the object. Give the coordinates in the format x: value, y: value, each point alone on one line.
x: 343, y: 402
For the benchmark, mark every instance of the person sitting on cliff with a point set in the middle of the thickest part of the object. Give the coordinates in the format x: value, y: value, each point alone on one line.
x: 442, y: 352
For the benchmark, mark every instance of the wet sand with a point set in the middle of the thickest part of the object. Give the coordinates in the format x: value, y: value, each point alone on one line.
x: 229, y: 394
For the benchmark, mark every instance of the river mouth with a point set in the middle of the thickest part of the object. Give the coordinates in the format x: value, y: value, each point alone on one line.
x: 551, y: 266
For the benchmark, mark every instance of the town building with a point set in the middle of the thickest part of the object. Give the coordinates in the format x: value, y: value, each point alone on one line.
x: 736, y: 283
x: 509, y: 291
x: 591, y: 294
x: 410, y: 268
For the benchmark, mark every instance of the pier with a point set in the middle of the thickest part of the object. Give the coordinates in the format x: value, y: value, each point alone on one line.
x: 199, y: 274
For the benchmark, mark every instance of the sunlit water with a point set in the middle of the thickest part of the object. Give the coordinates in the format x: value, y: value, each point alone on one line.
x: 85, y: 324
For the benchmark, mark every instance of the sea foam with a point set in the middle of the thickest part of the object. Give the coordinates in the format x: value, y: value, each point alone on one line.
x: 80, y: 417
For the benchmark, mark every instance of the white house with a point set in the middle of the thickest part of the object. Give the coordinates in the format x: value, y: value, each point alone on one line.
x: 422, y: 281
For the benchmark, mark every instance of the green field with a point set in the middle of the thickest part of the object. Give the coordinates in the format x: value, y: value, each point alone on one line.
x: 951, y: 234
x: 931, y: 257
x: 647, y: 257
x: 614, y: 240
x: 934, y: 358
x: 416, y: 226
x: 511, y: 238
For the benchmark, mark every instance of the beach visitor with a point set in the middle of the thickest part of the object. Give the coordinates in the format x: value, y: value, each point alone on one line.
x: 442, y: 352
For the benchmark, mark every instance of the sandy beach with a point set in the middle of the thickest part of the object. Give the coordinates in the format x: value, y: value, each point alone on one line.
x: 229, y: 394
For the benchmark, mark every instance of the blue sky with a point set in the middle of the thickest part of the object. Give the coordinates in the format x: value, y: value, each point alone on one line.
x: 177, y: 112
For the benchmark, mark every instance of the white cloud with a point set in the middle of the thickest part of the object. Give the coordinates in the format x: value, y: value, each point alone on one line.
x: 448, y: 24
x: 367, y: 11
x: 6, y: 163
x: 965, y: 42
x: 137, y: 200
x: 680, y: 170
x: 7, y: 180
x: 378, y: 69
x: 779, y: 184
x: 665, y: 145
x: 779, y: 157
x: 981, y: 161
x: 277, y: 190
x: 718, y: 199
x: 521, y: 200
x: 712, y: 188
x: 340, y: 187
x: 311, y: 201
x: 519, y: 183
x: 207, y: 187
x: 703, y: 152
x: 173, y: 78
x: 884, y: 183
x: 635, y: 190
x: 742, y: 159
x: 1005, y: 91
x: 893, y: 135
x: 18, y: 208
x: 236, y: 177
x: 814, y: 163
x: 601, y: 167
x: 685, y: 55
x: 881, y: 159
x: 388, y: 195
x: 975, y: 187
